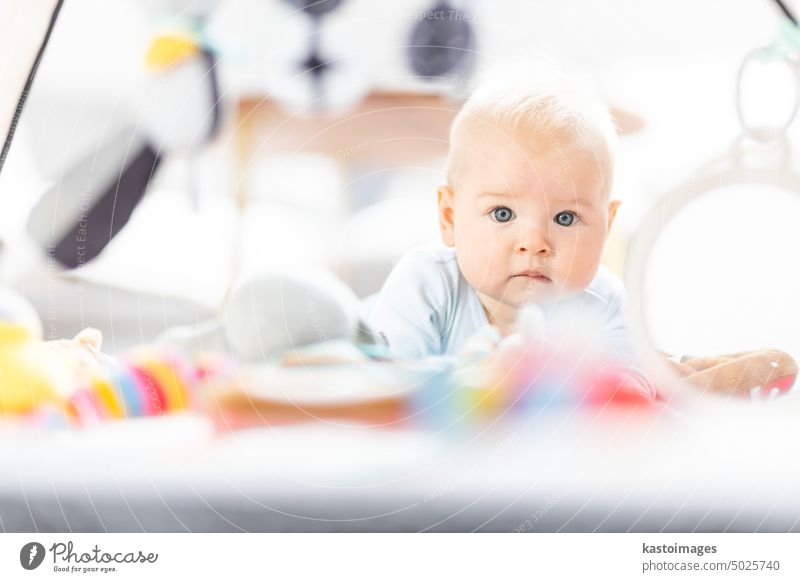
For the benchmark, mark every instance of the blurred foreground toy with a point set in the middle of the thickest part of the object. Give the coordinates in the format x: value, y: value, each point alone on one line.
x: 494, y: 379
x: 26, y: 380
x: 72, y: 379
x: 277, y: 371
x: 522, y: 377
x: 145, y: 382
x: 527, y: 371
x: 28, y: 375
x: 70, y: 382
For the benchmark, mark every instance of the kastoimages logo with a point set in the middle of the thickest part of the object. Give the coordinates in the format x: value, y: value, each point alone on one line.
x: 31, y: 555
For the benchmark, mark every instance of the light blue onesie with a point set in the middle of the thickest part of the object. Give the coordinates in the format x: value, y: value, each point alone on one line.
x: 427, y: 308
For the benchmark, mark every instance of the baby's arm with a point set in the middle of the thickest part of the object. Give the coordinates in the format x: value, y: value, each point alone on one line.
x: 408, y: 310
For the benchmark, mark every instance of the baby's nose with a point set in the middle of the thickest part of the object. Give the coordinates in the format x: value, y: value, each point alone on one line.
x: 533, y: 241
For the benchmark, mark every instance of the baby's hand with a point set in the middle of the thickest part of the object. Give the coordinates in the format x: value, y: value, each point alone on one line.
x: 530, y: 323
x: 481, y: 344
x: 528, y: 332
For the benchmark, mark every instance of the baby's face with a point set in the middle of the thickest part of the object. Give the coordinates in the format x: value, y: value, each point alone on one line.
x: 528, y: 219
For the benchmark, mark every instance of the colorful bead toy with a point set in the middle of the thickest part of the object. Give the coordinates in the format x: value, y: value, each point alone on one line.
x: 147, y: 382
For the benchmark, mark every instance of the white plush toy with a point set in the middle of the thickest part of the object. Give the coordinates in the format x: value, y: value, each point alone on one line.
x: 278, y: 312
x: 275, y: 313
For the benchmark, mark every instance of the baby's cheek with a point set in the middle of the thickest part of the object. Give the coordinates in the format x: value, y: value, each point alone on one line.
x: 582, y: 270
x: 476, y: 245
x: 479, y: 269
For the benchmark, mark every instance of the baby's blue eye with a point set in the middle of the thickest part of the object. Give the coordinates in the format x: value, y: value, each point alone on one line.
x: 502, y: 214
x: 565, y: 218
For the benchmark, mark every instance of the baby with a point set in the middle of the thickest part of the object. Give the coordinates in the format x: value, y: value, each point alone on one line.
x: 524, y: 217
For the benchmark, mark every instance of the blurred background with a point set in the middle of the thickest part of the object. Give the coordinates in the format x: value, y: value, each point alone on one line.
x: 279, y: 133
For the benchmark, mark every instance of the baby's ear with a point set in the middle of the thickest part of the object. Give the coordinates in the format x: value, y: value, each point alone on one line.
x: 446, y: 227
x: 613, y: 206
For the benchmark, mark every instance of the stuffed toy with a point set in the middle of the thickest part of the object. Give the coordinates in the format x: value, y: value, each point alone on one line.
x: 70, y: 382
x: 94, y: 195
x: 34, y: 372
x: 280, y: 317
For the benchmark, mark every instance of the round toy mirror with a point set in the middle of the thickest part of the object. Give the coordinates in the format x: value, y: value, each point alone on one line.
x: 715, y: 278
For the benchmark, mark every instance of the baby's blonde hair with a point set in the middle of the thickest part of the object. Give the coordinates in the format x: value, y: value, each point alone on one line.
x: 539, y: 99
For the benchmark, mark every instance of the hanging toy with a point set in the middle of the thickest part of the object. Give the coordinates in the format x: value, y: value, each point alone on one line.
x: 315, y: 65
x: 93, y: 200
x: 333, y: 74
x: 182, y: 109
x: 89, y: 205
x: 442, y: 42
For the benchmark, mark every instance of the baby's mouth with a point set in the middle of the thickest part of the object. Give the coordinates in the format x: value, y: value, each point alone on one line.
x: 533, y: 275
